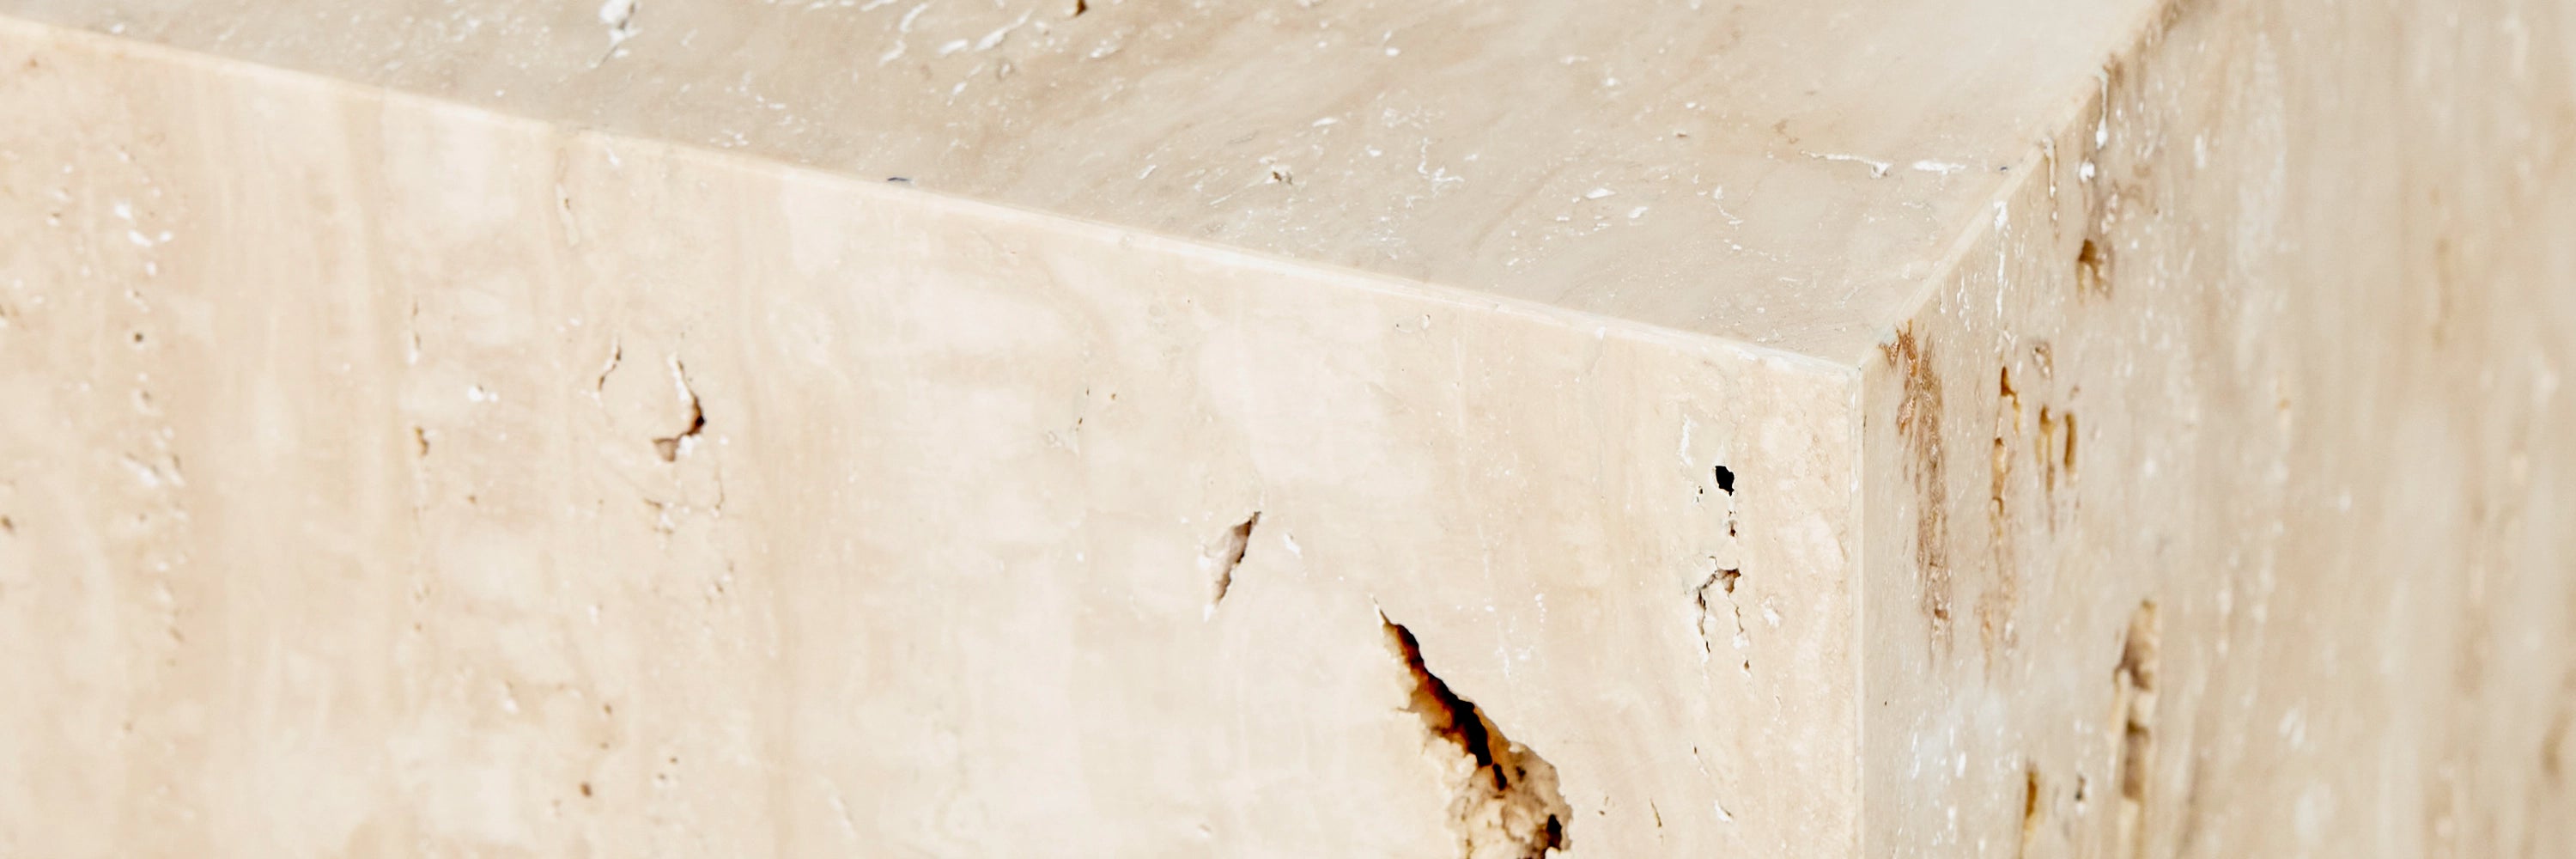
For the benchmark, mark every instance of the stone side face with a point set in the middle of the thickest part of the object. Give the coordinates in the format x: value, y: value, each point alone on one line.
x: 383, y: 477
x: 2219, y: 501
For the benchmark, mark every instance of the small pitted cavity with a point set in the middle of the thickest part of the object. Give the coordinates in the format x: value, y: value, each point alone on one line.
x: 1504, y: 802
x: 670, y: 447
x: 2092, y: 270
x: 1229, y: 554
x: 1723, y: 580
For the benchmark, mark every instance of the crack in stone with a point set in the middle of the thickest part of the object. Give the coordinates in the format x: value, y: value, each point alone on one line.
x: 1505, y: 804
x: 670, y: 447
x: 1229, y: 555
x: 1723, y: 579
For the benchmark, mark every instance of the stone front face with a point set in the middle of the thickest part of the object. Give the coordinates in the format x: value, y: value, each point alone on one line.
x: 2219, y: 502
x: 386, y: 477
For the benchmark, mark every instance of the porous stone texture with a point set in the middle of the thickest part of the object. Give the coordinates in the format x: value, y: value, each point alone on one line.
x: 2004, y: 428
x: 2221, y: 499
x: 386, y: 476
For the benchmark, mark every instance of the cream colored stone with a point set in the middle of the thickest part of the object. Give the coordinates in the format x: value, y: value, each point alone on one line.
x: 1769, y: 429
x: 2222, y: 485
x: 371, y: 511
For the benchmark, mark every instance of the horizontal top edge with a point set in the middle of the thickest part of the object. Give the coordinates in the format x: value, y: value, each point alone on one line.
x: 1776, y: 172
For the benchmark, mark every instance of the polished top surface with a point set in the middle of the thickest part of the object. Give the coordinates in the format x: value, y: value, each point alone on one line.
x: 1782, y: 172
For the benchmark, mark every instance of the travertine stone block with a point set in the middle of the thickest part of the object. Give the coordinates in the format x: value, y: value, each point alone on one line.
x: 1134, y: 428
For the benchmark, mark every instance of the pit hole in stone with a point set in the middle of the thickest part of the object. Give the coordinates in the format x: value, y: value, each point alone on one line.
x: 2092, y: 269
x: 1228, y: 555
x: 1507, y: 806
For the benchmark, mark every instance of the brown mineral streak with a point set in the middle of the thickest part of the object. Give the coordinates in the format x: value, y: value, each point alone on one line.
x: 1918, y: 425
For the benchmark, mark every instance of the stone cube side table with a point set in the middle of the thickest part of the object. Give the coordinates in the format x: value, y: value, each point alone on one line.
x: 901, y: 428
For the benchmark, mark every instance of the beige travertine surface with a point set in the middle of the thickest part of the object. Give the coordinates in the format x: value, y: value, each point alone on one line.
x: 2219, y: 501
x: 1765, y: 429
x: 1794, y: 164
x: 429, y: 481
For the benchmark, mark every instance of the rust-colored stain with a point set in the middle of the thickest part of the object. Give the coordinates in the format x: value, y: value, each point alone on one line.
x: 2093, y: 270
x: 1918, y: 428
x: 2055, y: 449
x: 2032, y: 811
